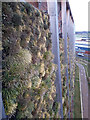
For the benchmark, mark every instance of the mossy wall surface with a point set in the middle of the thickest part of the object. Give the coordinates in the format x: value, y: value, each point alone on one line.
x: 28, y: 70
x: 71, y: 72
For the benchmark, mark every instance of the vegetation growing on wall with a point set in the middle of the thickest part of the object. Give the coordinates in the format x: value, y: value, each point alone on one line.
x: 28, y: 70
x: 71, y: 73
x: 64, y: 87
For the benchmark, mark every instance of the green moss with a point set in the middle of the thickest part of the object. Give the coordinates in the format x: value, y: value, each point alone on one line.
x: 45, y: 26
x: 28, y: 8
x: 37, y: 13
x: 28, y: 73
x: 16, y: 19
x: 13, y: 5
x: 32, y: 18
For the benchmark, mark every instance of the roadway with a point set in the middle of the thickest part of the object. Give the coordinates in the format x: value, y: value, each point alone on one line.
x: 83, y: 90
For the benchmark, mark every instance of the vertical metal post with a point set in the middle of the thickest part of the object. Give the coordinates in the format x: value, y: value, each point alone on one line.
x: 69, y: 35
x: 0, y: 61
x: 0, y: 106
x: 39, y: 4
x: 2, y: 111
x: 64, y: 35
x: 71, y: 73
x: 71, y: 52
x: 53, y: 13
x: 73, y: 59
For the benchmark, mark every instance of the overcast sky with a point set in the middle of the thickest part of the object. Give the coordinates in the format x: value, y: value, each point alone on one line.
x: 79, y: 10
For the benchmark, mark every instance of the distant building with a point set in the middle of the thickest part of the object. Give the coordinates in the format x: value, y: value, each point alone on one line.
x: 82, y: 46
